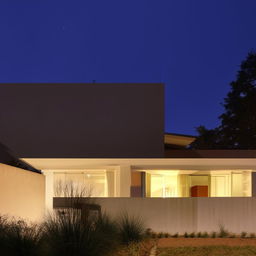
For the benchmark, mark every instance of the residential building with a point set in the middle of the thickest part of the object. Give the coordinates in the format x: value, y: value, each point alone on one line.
x: 109, y: 139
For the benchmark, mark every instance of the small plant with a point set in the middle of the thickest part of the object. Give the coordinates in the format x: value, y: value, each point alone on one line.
x: 186, y: 235
x: 166, y: 235
x: 192, y: 235
x: 148, y: 232
x: 153, y: 235
x: 175, y: 235
x: 160, y: 235
x: 252, y: 235
x: 232, y: 235
x: 199, y: 234
x: 243, y: 235
x: 205, y: 235
x: 213, y: 235
x: 223, y: 232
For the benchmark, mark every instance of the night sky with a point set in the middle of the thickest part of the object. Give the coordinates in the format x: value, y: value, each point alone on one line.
x: 195, y: 47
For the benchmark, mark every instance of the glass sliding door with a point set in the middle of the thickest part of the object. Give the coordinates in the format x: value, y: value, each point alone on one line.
x: 87, y: 184
x: 221, y: 185
x: 164, y: 185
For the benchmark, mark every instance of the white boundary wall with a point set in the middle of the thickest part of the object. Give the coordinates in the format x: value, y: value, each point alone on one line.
x: 188, y: 214
x: 22, y: 193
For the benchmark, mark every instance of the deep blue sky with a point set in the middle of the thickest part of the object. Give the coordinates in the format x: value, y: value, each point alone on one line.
x: 193, y: 46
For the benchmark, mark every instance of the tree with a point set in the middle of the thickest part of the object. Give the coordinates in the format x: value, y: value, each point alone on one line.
x: 238, y: 123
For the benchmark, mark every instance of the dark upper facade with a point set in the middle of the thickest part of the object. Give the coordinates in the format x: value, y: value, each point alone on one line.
x: 82, y: 120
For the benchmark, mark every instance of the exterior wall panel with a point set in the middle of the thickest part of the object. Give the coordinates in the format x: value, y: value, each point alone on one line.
x: 82, y: 120
x: 22, y: 193
x: 188, y: 214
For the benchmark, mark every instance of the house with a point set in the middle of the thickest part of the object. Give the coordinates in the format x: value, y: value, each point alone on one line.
x: 110, y: 139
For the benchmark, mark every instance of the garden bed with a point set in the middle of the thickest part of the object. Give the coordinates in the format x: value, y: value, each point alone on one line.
x: 181, y: 242
x: 208, y: 250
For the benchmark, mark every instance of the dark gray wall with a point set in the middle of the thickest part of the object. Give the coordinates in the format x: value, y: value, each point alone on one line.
x: 82, y: 120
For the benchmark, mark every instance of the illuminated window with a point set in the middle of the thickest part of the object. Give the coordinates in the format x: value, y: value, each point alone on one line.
x: 164, y: 185
x: 220, y: 185
x: 87, y: 183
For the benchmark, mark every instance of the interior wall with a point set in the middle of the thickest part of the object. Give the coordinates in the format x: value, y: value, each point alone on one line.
x: 136, y: 185
x: 22, y: 193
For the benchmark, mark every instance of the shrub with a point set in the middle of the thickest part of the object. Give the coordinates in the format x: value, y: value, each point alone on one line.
x: 166, y: 235
x: 213, y: 235
x: 160, y: 235
x: 3, y: 229
x: 19, y: 238
x: 153, y: 235
x: 192, y: 235
x: 199, y: 234
x: 223, y: 232
x: 148, y: 232
x: 232, y: 235
x: 186, y: 235
x: 69, y: 235
x: 205, y: 235
x: 175, y: 235
x: 243, y: 235
x: 131, y: 229
x: 252, y: 235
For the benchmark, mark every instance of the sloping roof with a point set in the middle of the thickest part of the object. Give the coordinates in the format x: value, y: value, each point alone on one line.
x: 174, y: 140
x: 212, y: 153
x: 7, y: 157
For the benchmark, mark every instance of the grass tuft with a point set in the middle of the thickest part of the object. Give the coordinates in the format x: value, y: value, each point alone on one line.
x: 252, y: 235
x: 192, y: 235
x: 17, y: 237
x: 175, y: 235
x: 199, y: 234
x: 213, y: 235
x: 166, y: 235
x: 131, y: 229
x: 186, y: 235
x: 160, y: 235
x: 223, y: 232
x: 205, y: 235
x: 243, y: 234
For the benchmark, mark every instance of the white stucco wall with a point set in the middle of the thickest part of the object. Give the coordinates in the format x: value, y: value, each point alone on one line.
x: 188, y: 214
x: 22, y: 193
x: 237, y: 214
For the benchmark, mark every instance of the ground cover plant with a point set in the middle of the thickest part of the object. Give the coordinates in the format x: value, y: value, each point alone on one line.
x: 142, y: 248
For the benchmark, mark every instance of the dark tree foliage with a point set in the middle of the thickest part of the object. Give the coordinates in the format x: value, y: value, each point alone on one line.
x: 238, y: 123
